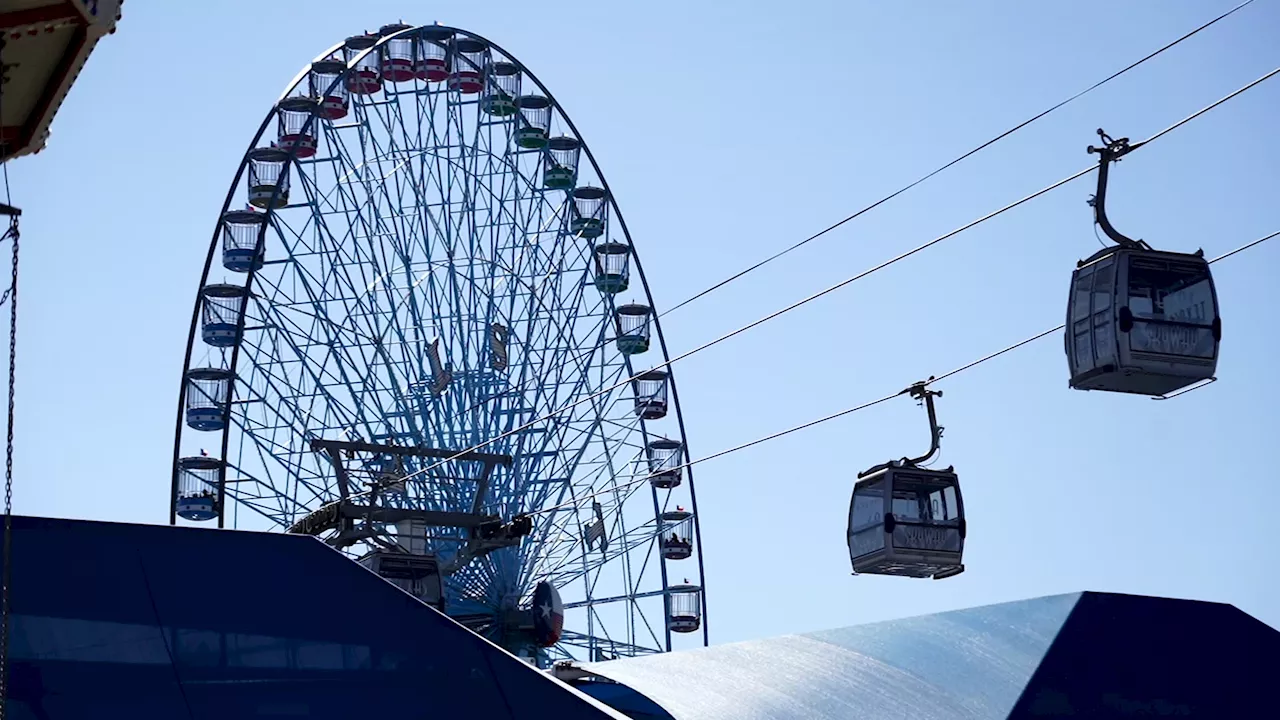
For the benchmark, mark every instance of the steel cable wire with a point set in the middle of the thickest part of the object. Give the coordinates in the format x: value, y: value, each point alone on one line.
x: 845, y: 282
x: 957, y: 160
x: 871, y: 403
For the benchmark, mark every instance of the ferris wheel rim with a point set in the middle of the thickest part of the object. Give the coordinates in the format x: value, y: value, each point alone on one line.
x: 268, y: 212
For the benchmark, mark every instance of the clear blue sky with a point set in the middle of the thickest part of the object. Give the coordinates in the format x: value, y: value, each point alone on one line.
x: 727, y: 134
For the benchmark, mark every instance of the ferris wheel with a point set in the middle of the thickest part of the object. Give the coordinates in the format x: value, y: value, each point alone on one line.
x: 423, y: 336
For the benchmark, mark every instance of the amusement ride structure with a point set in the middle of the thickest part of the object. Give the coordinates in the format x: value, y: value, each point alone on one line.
x: 423, y: 336
x: 418, y: 255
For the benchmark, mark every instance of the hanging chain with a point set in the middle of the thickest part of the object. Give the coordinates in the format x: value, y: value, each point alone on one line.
x: 12, y: 295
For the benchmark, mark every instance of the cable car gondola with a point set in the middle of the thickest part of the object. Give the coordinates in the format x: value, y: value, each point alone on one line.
x: 1139, y: 320
x: 907, y: 520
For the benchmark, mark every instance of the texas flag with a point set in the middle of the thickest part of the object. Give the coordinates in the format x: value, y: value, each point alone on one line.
x: 548, y: 614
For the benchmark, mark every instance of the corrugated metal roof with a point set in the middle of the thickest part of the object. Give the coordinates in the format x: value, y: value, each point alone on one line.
x: 1083, y: 654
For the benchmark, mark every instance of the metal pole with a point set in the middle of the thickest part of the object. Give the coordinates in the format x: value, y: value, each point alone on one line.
x: 6, y: 580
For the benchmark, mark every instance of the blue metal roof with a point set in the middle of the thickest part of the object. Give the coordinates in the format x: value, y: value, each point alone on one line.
x: 156, y: 622
x: 142, y: 621
x: 1082, y: 655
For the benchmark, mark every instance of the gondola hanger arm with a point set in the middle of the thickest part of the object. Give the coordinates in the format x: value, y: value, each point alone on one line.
x: 1111, y: 151
x: 921, y: 391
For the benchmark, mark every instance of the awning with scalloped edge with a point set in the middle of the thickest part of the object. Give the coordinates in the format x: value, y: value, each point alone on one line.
x: 46, y: 44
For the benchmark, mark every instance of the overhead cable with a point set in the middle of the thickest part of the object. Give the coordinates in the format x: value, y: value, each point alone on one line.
x: 863, y: 406
x: 957, y: 160
x: 841, y: 284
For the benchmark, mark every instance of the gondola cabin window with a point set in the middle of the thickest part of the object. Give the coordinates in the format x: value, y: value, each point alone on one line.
x: 1164, y: 290
x: 866, y: 519
x: 927, y: 514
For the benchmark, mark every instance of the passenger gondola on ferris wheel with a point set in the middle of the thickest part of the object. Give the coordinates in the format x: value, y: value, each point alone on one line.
x: 1139, y: 320
x: 906, y: 519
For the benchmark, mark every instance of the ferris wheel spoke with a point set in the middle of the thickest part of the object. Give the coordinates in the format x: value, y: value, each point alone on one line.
x: 255, y: 502
x: 317, y: 297
x: 557, y: 434
x: 440, y: 224
x: 302, y: 479
x: 623, y: 544
x: 566, y: 544
x: 335, y: 352
x: 581, y: 371
x: 549, y: 438
x: 633, y: 610
x: 280, y: 404
x: 594, y: 620
x: 604, y: 461
x: 299, y: 456
x: 644, y: 618
x: 415, y: 188
x: 284, y: 507
x: 456, y: 194
x: 617, y: 648
x: 264, y: 439
x: 424, y: 241
x: 349, y: 289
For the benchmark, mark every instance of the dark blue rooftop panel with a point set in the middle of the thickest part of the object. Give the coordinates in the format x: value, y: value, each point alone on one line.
x: 1078, y: 655
x: 156, y: 622
x: 1128, y: 655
